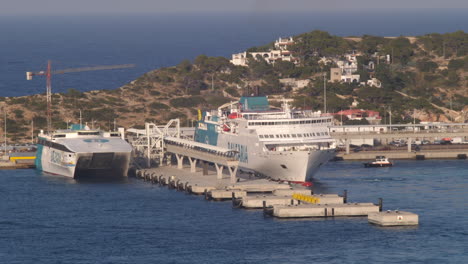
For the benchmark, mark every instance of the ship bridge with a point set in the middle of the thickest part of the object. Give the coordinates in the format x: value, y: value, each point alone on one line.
x: 161, y: 142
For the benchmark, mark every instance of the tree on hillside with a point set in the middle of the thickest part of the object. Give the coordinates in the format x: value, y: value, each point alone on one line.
x: 426, y: 65
x: 371, y: 44
x: 319, y: 43
x: 185, y: 66
x: 400, y: 50
x: 449, y: 44
x: 212, y: 64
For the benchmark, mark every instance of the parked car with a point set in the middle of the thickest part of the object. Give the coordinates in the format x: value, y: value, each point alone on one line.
x: 445, y: 142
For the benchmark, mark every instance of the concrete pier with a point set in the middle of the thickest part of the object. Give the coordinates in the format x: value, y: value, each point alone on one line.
x: 226, y: 194
x: 257, y: 201
x: 211, y: 184
x: 278, y: 199
x: 324, y: 210
x: 393, y: 218
x: 397, y: 155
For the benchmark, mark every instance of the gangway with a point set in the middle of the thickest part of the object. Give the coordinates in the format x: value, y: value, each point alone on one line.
x: 160, y: 142
x: 149, y: 143
x: 194, y: 151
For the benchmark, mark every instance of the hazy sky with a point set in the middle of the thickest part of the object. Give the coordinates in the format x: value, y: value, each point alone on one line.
x: 58, y: 7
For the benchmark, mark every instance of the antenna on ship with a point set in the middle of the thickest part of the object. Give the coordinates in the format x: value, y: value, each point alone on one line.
x: 48, y: 73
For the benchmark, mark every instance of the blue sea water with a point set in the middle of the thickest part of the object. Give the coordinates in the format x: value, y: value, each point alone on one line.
x: 153, y: 41
x: 52, y: 219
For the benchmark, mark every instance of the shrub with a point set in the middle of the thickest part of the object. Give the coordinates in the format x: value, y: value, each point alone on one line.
x: 156, y: 105
x: 18, y: 113
x: 187, y: 101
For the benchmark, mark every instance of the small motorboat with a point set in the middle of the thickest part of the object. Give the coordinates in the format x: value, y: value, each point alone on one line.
x: 380, y: 161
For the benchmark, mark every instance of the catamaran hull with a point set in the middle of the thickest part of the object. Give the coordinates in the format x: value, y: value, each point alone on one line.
x: 97, y: 164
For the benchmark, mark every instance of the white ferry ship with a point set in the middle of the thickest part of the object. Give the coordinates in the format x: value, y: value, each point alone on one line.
x: 285, y: 145
x: 83, y: 152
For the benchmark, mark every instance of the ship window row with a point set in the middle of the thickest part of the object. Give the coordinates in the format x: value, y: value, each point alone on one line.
x: 304, y: 135
x: 277, y: 123
x: 91, y: 133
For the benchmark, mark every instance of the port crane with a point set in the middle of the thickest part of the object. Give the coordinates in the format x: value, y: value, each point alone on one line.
x: 49, y: 72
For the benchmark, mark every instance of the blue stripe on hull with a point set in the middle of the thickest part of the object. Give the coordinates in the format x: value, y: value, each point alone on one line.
x: 38, y: 161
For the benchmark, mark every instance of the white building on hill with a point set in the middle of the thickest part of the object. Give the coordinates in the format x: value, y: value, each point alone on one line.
x: 280, y: 52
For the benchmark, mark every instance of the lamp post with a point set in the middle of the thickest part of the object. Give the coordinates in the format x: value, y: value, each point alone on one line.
x: 324, y: 92
x: 4, y: 134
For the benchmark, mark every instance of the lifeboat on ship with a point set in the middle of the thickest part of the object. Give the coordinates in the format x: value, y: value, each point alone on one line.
x: 235, y: 115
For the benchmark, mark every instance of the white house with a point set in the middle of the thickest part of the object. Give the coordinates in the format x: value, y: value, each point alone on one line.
x: 280, y: 52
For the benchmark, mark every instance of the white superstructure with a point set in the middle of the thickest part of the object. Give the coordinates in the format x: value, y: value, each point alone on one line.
x: 76, y: 153
x: 281, y: 144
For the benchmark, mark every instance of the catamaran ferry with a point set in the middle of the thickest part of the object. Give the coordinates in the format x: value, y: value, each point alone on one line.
x: 285, y: 145
x: 83, y: 152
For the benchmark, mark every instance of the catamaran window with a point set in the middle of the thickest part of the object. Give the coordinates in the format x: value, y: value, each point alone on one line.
x: 272, y: 136
x: 299, y: 135
x: 313, y: 134
x: 293, y: 135
x: 277, y: 136
x: 270, y: 123
x: 263, y: 123
x: 92, y: 133
x: 261, y: 136
x: 288, y: 136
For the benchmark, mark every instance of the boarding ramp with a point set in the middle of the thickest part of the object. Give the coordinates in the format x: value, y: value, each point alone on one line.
x: 195, y: 151
x: 156, y: 143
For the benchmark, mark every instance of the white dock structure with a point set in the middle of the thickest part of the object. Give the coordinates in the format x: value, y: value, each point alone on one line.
x: 409, y: 132
x: 157, y: 143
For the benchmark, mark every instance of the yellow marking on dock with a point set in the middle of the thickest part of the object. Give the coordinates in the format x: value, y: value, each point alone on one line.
x: 305, y: 198
x: 22, y: 158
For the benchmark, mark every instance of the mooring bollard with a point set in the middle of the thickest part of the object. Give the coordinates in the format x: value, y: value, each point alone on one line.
x: 380, y: 204
x: 345, y: 196
x: 265, y: 209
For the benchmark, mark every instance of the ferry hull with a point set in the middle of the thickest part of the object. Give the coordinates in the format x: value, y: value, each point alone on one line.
x: 294, y: 166
x: 290, y: 166
x: 109, y: 164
